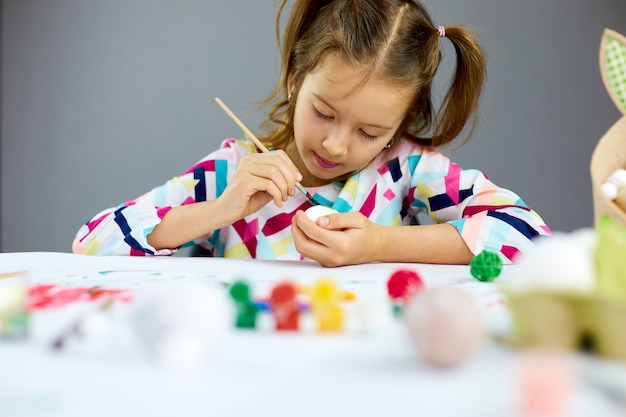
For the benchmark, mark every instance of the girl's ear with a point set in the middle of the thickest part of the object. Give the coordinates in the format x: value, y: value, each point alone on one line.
x: 613, y: 66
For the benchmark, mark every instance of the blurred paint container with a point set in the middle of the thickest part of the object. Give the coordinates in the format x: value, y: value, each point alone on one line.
x: 547, y: 383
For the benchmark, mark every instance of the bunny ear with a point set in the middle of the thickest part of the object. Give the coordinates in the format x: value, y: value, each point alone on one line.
x: 613, y: 66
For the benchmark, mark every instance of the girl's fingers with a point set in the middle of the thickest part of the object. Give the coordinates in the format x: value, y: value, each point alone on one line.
x: 275, y: 166
x: 273, y: 174
x: 263, y: 185
x: 310, y: 228
x: 342, y: 221
x: 306, y: 244
x: 291, y: 171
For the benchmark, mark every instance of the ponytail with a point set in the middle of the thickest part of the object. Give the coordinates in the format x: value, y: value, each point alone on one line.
x: 461, y: 102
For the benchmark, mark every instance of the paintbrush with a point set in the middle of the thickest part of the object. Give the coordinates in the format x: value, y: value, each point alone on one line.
x: 250, y: 136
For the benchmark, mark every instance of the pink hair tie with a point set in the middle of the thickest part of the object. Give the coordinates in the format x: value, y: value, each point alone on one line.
x: 442, y: 31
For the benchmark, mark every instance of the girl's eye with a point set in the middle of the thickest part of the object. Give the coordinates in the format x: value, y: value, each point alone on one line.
x: 321, y: 115
x: 368, y: 136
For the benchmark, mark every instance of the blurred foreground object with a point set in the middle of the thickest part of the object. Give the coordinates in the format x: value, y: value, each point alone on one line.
x: 570, y: 293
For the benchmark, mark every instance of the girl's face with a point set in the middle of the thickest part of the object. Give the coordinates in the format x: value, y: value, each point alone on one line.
x: 339, y: 125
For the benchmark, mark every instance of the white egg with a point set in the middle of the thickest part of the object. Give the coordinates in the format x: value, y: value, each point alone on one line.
x: 609, y: 190
x: 316, y: 212
x: 618, y: 178
x: 445, y: 325
x: 182, y: 325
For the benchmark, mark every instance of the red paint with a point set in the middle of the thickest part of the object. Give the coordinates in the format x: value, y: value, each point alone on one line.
x: 284, y: 304
x: 46, y: 296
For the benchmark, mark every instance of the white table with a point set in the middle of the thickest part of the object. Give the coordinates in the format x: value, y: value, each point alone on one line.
x: 263, y: 372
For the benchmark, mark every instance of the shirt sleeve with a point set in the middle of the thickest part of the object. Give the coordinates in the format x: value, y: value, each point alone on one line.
x: 486, y: 216
x: 123, y: 230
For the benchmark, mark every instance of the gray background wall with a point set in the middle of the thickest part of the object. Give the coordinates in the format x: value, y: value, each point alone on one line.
x: 102, y: 100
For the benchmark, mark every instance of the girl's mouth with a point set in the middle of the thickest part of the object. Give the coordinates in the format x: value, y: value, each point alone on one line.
x: 324, y: 163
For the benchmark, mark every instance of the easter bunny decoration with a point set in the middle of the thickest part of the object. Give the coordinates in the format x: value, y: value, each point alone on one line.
x: 609, y: 155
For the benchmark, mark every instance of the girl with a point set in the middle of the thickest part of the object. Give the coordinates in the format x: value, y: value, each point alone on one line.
x: 352, y: 120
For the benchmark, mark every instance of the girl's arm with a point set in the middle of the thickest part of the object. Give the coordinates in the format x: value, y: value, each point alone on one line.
x: 351, y: 238
x: 183, y: 224
x: 127, y: 229
x: 225, y: 186
x: 471, y: 214
x: 485, y: 216
x: 434, y: 243
x: 257, y: 179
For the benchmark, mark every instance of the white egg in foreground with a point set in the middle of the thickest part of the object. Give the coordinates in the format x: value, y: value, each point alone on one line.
x: 316, y: 212
x: 445, y: 325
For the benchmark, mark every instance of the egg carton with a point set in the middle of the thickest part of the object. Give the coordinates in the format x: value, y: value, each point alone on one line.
x: 569, y: 322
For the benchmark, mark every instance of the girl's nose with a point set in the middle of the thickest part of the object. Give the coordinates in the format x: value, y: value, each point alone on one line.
x: 336, y: 143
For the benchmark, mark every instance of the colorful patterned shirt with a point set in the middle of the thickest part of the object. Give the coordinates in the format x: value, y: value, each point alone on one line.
x: 397, y: 186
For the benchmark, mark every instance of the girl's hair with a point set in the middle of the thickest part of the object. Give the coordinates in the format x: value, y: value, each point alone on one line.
x: 394, y: 41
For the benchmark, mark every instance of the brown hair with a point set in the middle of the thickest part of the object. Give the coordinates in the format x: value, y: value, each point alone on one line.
x: 396, y: 41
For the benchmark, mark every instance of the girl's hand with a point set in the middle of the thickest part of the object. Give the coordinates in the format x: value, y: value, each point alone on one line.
x: 336, y: 239
x: 258, y: 179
